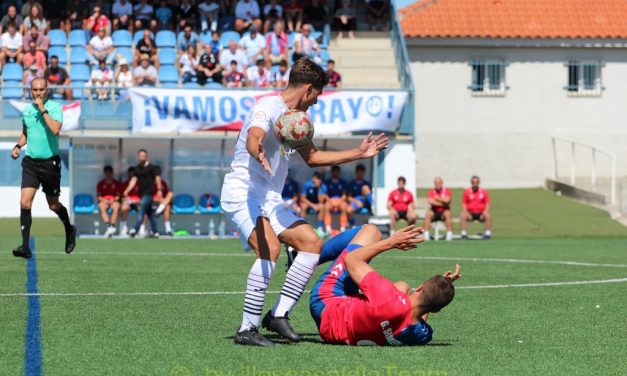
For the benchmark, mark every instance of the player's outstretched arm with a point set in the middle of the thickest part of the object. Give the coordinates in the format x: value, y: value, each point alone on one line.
x: 254, y: 145
x: 356, y: 262
x: 370, y: 146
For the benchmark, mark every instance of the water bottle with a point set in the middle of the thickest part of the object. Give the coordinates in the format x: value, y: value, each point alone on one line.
x: 222, y: 229
x: 96, y: 228
x: 212, y: 229
x: 197, y: 231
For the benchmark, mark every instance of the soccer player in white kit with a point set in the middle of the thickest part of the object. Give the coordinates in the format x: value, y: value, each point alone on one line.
x: 251, y: 199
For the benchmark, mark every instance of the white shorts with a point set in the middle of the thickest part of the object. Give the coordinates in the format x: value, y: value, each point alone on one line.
x: 243, y: 215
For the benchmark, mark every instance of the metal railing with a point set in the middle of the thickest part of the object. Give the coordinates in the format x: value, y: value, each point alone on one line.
x: 594, y: 153
x: 404, y: 69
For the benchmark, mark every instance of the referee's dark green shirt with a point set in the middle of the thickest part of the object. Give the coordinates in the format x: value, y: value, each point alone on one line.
x: 41, y: 142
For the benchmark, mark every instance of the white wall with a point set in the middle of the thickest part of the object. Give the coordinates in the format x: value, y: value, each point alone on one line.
x: 11, y: 198
x: 507, y: 140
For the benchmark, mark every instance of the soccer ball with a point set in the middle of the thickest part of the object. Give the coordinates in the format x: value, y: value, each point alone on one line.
x: 294, y: 129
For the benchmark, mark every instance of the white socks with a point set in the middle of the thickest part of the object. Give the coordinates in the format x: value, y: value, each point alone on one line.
x: 256, y: 286
x: 160, y: 209
x: 296, y: 279
x: 168, y: 226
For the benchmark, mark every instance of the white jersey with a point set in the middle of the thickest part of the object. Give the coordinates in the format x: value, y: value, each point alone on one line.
x: 246, y: 176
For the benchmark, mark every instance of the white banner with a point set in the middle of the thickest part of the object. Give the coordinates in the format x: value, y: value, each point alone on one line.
x: 71, y: 113
x: 179, y: 110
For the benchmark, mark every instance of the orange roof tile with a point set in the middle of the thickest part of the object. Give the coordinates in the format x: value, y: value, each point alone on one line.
x: 515, y: 19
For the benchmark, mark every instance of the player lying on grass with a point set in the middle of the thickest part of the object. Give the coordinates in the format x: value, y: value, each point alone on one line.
x: 384, y: 313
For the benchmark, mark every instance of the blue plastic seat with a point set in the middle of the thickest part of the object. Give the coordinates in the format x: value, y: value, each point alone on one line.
x: 183, y: 204
x: 59, y: 52
x: 228, y: 36
x: 317, y: 35
x: 79, y: 72
x: 205, y: 37
x: 227, y: 23
x: 84, y: 204
x: 57, y: 37
x: 168, y: 74
x: 122, y: 38
x: 12, y: 90
x: 78, y: 55
x: 78, y: 38
x: 165, y: 38
x: 290, y: 39
x: 209, y: 204
x: 139, y: 35
x: 170, y: 85
x: 78, y: 90
x: 126, y: 52
x: 325, y: 56
x: 12, y: 72
x: 214, y: 85
x: 167, y: 56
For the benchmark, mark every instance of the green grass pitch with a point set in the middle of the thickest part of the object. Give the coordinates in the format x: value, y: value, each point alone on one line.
x: 551, y: 330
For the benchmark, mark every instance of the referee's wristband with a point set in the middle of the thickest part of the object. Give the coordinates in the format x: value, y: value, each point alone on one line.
x: 17, y: 146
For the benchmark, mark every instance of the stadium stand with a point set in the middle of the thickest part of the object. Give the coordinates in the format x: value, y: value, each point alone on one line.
x: 78, y: 55
x: 57, y: 38
x: 168, y: 74
x: 84, y: 204
x: 167, y: 56
x: 122, y: 38
x: 78, y: 38
x: 209, y: 204
x: 12, y: 72
x: 166, y: 38
x: 60, y: 52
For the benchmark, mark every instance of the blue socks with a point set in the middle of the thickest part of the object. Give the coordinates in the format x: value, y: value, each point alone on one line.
x: 334, y: 246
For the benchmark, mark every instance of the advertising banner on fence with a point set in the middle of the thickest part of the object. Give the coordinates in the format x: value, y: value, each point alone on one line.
x: 71, y: 113
x: 172, y: 110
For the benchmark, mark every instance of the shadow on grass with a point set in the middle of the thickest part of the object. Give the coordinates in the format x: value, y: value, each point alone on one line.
x: 315, y: 338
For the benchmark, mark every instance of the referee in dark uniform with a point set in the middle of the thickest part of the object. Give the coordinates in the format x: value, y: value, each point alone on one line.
x: 41, y: 124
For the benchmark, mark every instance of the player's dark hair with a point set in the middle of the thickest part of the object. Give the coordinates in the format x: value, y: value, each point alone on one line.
x: 142, y: 150
x: 360, y: 167
x: 233, y: 62
x: 11, y: 23
x: 331, y: 61
x: 335, y: 168
x: 317, y: 174
x: 437, y: 293
x: 475, y: 177
x: 402, y: 179
x: 108, y: 168
x: 54, y: 57
x: 306, y: 71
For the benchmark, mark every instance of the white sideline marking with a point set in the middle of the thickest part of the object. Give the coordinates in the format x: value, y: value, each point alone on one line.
x: 192, y: 293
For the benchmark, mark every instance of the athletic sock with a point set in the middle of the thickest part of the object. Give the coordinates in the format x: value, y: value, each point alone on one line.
x: 256, y: 286
x: 334, y: 246
x: 464, y: 233
x: 488, y: 232
x: 426, y: 235
x: 297, y: 277
x: 168, y: 226
x: 26, y: 220
x: 351, y: 221
x: 320, y: 223
x: 64, y: 217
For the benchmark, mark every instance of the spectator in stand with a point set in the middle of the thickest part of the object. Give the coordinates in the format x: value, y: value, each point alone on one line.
x: 28, y: 77
x: 13, y: 16
x: 164, y: 203
x: 101, y: 78
x: 147, y: 46
x: 258, y: 75
x: 290, y: 194
x: 253, y: 44
x: 187, y: 64
x: 34, y: 57
x: 215, y: 44
x: 186, y: 38
x: 131, y: 202
x: 97, y: 21
x: 55, y: 11
x: 272, y: 12
x: 153, y: 26
x: 440, y: 210
x: 293, y: 14
x: 208, y: 10
x: 377, y: 14
x: 122, y: 12
x: 234, y: 54
x: 346, y: 19
x: 247, y: 13
x: 143, y: 12
x: 335, y: 79
x: 25, y: 11
x: 36, y: 17
x: 359, y: 194
x: 336, y: 191
x: 277, y: 44
x: 108, y: 191
x: 74, y: 20
x: 186, y: 14
x: 280, y: 78
x: 208, y: 67
x: 124, y: 78
x: 476, y: 207
x: 306, y: 46
x: 100, y: 47
x: 42, y: 42
x: 164, y: 15
x: 316, y: 14
x: 228, y: 6
x: 145, y: 74
x: 234, y: 78
x: 401, y: 205
x: 314, y: 197
x: 12, y: 45
x: 57, y: 76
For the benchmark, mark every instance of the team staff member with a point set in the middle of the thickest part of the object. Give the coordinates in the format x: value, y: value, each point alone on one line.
x: 476, y: 207
x: 336, y: 191
x: 146, y: 175
x: 314, y: 196
x: 108, y: 190
x: 42, y: 122
x: 440, y: 201
x: 131, y: 202
x: 401, y: 205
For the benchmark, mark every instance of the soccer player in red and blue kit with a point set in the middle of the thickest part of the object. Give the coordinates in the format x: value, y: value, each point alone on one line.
x: 384, y: 313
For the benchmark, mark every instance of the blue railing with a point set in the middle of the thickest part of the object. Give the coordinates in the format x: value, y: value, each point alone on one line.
x: 404, y: 70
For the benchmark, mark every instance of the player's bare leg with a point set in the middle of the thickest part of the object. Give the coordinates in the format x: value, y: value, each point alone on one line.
x: 487, y: 233
x: 26, y: 220
x: 448, y: 219
x: 463, y: 223
x: 427, y: 224
x: 61, y: 212
x: 393, y: 219
x: 411, y: 217
x: 104, y: 215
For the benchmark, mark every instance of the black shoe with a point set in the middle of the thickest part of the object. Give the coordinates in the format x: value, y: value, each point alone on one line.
x: 22, y: 252
x: 252, y: 337
x: 465, y: 237
x: 291, y: 255
x: 486, y: 237
x: 70, y: 240
x: 280, y: 325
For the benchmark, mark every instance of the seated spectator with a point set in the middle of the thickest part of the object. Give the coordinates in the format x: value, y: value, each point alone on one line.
x: 316, y: 14
x: 100, y: 47
x: 131, y: 202
x: 228, y: 6
x: 26, y: 5
x: 476, y: 207
x: 101, y: 78
x: 13, y: 16
x: 122, y: 12
x: 216, y: 46
x: 253, y: 44
x: 164, y: 202
x: 186, y: 14
x: 147, y: 46
x: 346, y: 19
x: 143, y: 14
x: 124, y: 79
x: 247, y: 13
x: 359, y: 194
x: 208, y: 10
x: 336, y: 191
x: 11, y: 45
x: 234, y: 54
x: 281, y: 77
x: 74, y: 21
x: 208, y: 67
x: 27, y: 78
x: 272, y: 12
x: 108, y: 191
x: 290, y: 194
x: 306, y: 46
x: 97, y: 21
x: 34, y: 57
x: 36, y: 17
x: 258, y: 76
x: 377, y: 14
x: 401, y: 205
x: 186, y: 38
x: 187, y: 64
x: 164, y: 15
x: 234, y: 78
x: 293, y: 14
x: 57, y: 76
x: 440, y: 208
x: 335, y: 79
x: 314, y: 196
x: 42, y: 42
x: 145, y: 74
x: 277, y: 44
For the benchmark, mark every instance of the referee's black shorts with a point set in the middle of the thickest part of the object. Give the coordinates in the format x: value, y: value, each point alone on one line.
x: 44, y: 172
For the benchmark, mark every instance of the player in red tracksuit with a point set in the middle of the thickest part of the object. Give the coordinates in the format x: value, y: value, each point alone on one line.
x: 108, y: 190
x: 476, y: 207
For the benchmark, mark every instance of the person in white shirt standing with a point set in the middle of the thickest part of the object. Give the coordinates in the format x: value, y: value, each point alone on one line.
x: 251, y: 200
